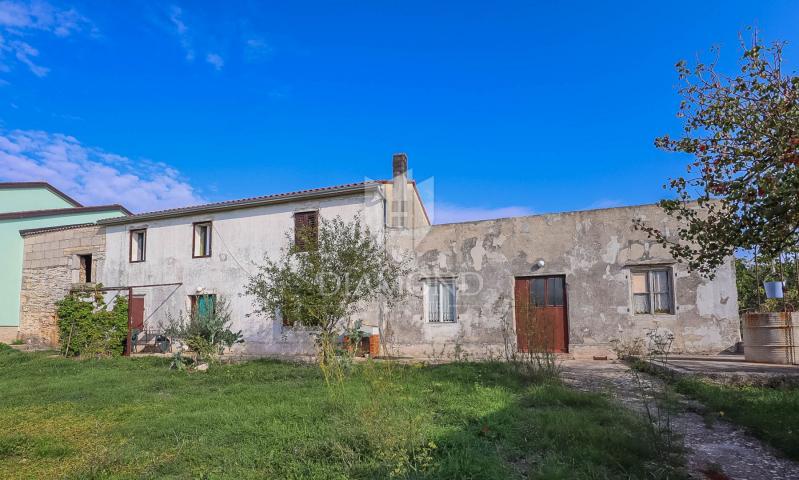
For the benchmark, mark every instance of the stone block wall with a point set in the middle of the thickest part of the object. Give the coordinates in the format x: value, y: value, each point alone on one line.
x: 51, y: 267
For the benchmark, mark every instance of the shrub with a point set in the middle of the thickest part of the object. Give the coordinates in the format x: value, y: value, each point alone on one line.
x: 87, y: 327
x: 206, y: 333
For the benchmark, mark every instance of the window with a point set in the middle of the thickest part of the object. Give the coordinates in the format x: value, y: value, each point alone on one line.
x: 652, y: 291
x: 202, y: 305
x: 306, y: 230
x: 85, y: 272
x: 138, y: 245
x: 546, y: 292
x: 201, y: 244
x: 440, y: 300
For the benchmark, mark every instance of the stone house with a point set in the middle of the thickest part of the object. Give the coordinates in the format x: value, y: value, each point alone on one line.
x: 57, y: 259
x: 584, y: 278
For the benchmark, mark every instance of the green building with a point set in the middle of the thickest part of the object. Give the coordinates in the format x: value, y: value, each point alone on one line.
x: 24, y: 206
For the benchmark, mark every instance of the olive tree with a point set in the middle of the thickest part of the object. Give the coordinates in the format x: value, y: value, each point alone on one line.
x: 326, y: 275
x: 741, y: 189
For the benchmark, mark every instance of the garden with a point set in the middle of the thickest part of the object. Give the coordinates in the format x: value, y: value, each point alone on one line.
x: 136, y: 418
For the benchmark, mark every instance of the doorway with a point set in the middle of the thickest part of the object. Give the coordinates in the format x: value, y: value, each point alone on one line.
x: 541, y: 314
x: 137, y: 312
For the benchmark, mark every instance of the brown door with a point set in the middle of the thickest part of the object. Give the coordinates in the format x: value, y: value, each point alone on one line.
x: 541, y: 314
x: 137, y: 312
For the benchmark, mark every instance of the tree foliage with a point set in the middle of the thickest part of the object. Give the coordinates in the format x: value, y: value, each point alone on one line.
x: 87, y: 327
x: 346, y: 268
x: 741, y: 190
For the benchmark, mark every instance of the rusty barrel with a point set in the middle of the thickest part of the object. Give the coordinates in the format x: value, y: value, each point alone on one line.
x: 771, y: 337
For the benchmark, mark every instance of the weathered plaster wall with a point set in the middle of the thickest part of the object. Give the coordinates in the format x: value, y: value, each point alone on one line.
x: 593, y: 249
x: 240, y: 240
x: 50, y: 268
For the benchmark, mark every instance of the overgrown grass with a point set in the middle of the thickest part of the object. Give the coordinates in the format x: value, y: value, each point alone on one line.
x: 123, y: 418
x: 771, y: 414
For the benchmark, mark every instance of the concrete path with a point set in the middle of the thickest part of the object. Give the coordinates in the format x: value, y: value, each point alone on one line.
x: 739, y: 455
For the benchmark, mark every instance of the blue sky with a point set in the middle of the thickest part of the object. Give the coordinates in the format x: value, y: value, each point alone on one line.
x: 512, y: 107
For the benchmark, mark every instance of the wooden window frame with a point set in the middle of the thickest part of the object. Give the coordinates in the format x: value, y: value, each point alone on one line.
x: 438, y: 282
x: 130, y: 246
x: 194, y: 238
x: 647, y: 271
x: 297, y: 243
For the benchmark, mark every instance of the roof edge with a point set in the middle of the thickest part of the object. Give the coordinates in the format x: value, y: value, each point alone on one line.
x: 33, y: 231
x: 550, y: 214
x: 45, y: 185
x: 61, y: 211
x: 323, y: 192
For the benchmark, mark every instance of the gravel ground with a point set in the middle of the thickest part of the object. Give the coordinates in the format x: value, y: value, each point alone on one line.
x: 721, y: 444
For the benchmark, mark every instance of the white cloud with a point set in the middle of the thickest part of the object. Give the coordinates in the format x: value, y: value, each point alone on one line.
x: 452, y: 213
x: 91, y: 175
x: 182, y: 31
x: 215, y: 60
x: 256, y: 48
x: 20, y: 19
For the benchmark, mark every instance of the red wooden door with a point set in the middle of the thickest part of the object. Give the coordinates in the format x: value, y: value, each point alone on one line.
x: 541, y: 314
x: 137, y: 312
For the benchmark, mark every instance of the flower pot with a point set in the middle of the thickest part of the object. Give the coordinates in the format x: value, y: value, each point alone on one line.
x: 773, y: 289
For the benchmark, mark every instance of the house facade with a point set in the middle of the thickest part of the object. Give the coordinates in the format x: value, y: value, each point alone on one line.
x: 27, y: 206
x: 479, y: 288
x: 573, y: 282
x: 474, y: 287
x: 55, y: 261
x: 175, y: 257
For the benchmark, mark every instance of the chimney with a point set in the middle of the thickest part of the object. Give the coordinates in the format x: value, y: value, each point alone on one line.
x: 399, y: 191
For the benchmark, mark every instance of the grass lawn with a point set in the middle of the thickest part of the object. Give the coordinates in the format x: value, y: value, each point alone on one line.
x: 768, y: 413
x: 123, y: 418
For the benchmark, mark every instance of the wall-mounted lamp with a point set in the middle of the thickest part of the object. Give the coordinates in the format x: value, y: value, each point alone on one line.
x: 540, y: 264
x: 200, y: 289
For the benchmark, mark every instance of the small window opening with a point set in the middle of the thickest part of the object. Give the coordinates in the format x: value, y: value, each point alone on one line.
x: 85, y: 274
x: 138, y: 245
x: 201, y: 244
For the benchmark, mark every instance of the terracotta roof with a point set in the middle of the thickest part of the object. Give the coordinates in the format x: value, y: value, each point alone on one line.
x: 345, y: 189
x: 34, y: 231
x: 64, y: 196
x: 61, y: 211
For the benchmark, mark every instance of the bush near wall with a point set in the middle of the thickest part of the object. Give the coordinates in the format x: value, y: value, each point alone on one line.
x: 88, y: 328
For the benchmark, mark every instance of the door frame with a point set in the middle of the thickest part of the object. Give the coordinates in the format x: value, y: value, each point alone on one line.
x: 565, y: 305
x: 141, y: 297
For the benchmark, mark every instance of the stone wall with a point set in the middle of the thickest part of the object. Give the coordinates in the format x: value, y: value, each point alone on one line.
x: 51, y: 267
x: 594, y: 250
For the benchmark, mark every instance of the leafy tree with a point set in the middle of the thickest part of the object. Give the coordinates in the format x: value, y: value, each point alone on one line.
x: 324, y: 278
x: 741, y: 190
x: 87, y: 327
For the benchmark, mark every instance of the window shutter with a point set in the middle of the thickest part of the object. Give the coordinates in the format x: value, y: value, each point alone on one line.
x: 306, y: 226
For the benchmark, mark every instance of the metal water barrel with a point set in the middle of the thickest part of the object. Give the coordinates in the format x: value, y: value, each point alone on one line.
x: 771, y: 337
